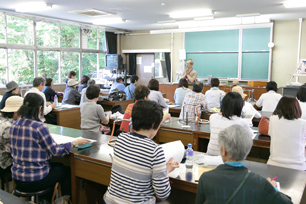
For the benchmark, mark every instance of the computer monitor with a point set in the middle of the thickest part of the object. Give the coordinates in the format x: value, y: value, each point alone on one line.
x: 113, y: 61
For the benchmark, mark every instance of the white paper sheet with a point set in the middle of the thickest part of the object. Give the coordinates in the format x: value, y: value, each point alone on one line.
x: 172, y: 106
x: 177, y: 171
x: 174, y: 150
x: 138, y: 60
x: 61, y: 139
x: 147, y: 69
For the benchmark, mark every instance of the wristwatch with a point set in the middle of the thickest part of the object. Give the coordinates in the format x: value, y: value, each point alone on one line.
x: 74, y: 144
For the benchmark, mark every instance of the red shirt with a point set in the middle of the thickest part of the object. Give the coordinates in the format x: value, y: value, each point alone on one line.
x: 127, y: 115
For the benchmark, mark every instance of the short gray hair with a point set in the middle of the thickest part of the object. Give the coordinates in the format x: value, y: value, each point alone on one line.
x: 38, y: 81
x: 191, y: 61
x: 91, y: 82
x: 236, y: 141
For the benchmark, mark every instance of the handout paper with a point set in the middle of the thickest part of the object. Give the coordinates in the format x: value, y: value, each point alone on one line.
x: 174, y: 150
x: 61, y: 139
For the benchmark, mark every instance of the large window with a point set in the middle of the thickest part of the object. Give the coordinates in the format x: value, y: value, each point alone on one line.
x: 69, y: 62
x: 45, y: 48
x: 47, y: 34
x: 19, y: 30
x: 47, y: 65
x: 21, y: 66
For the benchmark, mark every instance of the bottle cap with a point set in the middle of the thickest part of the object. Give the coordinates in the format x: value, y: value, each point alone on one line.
x: 189, y: 145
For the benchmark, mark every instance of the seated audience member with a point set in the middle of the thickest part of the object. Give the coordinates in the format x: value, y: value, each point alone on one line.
x: 117, y: 85
x: 83, y: 83
x: 143, y: 177
x: 38, y: 86
x: 248, y: 108
x: 155, y: 94
x: 287, y: 131
x: 194, y: 100
x: 83, y: 93
x: 181, y: 91
x: 48, y: 90
x: 32, y: 147
x: 301, y: 96
x: 9, y: 115
x: 129, y: 90
x: 231, y: 109
x: 214, y: 96
x: 71, y: 94
x: 91, y: 112
x: 11, y: 90
x: 269, y: 100
x: 218, y: 185
x: 71, y: 75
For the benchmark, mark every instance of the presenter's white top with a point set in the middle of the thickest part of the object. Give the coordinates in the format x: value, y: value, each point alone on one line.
x: 218, y: 123
x: 287, y: 147
x: 214, y: 96
x: 269, y: 101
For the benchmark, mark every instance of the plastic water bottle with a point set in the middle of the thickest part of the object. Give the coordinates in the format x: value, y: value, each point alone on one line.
x: 189, y: 156
x: 56, y: 100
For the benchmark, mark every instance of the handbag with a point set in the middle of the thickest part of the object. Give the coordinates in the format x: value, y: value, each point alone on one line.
x: 62, y: 199
x: 263, y: 126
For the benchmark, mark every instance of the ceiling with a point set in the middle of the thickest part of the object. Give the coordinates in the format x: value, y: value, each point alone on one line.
x: 144, y: 14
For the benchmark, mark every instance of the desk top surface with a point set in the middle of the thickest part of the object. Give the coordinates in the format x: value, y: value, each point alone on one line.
x: 6, y: 198
x: 292, y: 182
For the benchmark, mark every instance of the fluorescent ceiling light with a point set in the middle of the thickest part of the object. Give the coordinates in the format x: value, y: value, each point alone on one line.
x: 108, y: 21
x: 295, y: 4
x: 204, y: 18
x: 191, y: 13
x: 166, y: 22
x: 32, y: 6
x: 248, y: 14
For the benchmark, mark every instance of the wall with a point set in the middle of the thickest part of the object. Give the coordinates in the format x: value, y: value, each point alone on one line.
x: 284, y: 57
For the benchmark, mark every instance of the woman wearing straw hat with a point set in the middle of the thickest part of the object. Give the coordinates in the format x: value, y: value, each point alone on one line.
x: 9, y: 114
x: 71, y: 94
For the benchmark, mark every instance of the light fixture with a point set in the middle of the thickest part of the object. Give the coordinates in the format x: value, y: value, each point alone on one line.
x: 191, y: 13
x: 248, y: 14
x: 204, y: 18
x: 108, y: 21
x: 166, y: 22
x: 295, y: 4
x: 33, y: 6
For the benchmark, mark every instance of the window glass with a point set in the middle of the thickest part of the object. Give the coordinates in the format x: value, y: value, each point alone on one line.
x: 47, y: 34
x: 21, y: 66
x: 69, y: 62
x: 19, y: 30
x: 2, y: 68
x: 69, y: 36
x: 101, y: 61
x: 89, y: 39
x: 89, y: 64
x: 2, y: 33
x: 102, y: 40
x: 47, y: 65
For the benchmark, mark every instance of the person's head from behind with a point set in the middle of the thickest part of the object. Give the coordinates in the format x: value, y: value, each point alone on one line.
x: 141, y: 92
x: 271, y: 86
x: 33, y: 107
x: 183, y: 83
x: 91, y: 82
x: 235, y: 143
x: 49, y: 81
x: 119, y: 80
x: 72, y: 75
x: 39, y: 83
x: 231, y: 105
x: 84, y: 79
x: 12, y: 105
x: 198, y: 87
x: 12, y: 87
x: 153, y: 85
x: 214, y: 82
x: 301, y: 93
x: 288, y: 108
x: 134, y: 80
x: 140, y: 120
x: 92, y: 92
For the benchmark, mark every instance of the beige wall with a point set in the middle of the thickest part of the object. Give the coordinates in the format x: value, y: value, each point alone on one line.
x: 284, y: 57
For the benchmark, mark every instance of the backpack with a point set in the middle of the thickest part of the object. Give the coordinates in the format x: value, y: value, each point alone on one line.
x: 117, y: 95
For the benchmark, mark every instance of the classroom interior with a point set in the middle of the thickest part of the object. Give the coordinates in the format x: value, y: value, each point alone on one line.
x: 289, y: 37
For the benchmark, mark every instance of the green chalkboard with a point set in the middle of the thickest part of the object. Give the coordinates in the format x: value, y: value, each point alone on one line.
x: 255, y: 39
x: 255, y: 66
x: 212, y: 41
x: 221, y: 65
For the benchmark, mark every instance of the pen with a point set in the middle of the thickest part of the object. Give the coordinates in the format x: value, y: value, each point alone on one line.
x: 172, y: 163
x: 274, y: 178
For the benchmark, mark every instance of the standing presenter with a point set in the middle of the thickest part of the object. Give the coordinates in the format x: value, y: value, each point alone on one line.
x: 190, y: 74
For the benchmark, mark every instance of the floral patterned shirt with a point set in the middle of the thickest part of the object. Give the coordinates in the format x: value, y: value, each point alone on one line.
x: 5, y: 154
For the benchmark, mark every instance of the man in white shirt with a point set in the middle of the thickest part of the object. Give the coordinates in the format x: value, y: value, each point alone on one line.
x: 269, y: 100
x: 38, y: 86
x: 214, y: 96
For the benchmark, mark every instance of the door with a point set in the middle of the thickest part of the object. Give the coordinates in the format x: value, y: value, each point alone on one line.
x: 145, y: 68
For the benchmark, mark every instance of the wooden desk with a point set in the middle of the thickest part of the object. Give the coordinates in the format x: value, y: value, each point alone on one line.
x: 68, y: 117
x: 107, y: 105
x: 94, y: 164
x: 6, y: 198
